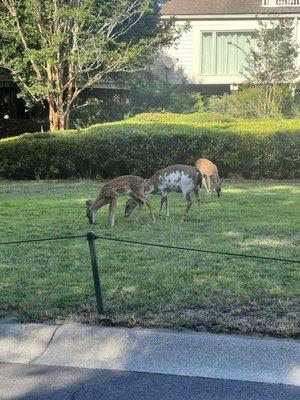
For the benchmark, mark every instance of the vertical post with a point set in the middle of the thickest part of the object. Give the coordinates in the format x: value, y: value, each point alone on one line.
x: 91, y: 239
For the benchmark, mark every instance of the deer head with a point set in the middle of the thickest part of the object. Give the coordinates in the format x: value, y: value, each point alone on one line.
x: 218, y: 187
x: 89, y: 212
x: 129, y: 207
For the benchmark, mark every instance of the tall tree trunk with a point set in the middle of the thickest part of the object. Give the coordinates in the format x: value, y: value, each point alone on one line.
x: 58, y: 119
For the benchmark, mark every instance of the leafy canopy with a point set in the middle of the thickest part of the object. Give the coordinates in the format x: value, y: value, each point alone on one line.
x: 55, y: 49
x: 272, y: 59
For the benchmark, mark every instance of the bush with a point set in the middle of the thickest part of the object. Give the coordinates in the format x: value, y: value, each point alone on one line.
x: 146, y: 94
x: 171, y: 118
x: 150, y: 94
x: 144, y: 144
x: 251, y: 103
x: 93, y: 110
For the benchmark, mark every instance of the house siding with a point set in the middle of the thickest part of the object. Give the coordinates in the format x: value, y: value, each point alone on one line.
x: 182, y: 56
x: 186, y: 53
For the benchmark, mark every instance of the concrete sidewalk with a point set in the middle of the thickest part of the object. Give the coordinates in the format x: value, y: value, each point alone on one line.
x: 153, y: 351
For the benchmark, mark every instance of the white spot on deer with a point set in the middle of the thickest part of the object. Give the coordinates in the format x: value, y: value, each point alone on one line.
x: 177, y: 181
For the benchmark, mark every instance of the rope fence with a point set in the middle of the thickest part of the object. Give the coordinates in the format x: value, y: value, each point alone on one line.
x: 91, y: 237
x: 164, y: 246
x: 43, y: 239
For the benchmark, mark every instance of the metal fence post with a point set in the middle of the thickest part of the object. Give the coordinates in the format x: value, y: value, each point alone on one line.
x: 91, y: 239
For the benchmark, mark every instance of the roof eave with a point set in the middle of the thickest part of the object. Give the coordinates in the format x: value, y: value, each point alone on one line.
x: 230, y: 16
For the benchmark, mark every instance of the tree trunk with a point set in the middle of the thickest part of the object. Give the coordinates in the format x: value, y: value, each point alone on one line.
x: 58, y: 119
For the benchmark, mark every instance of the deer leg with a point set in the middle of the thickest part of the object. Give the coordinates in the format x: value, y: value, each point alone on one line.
x: 164, y: 200
x: 209, y: 185
x: 141, y: 199
x: 167, y: 207
x: 188, y: 202
x: 138, y: 204
x: 112, y: 210
x: 204, y: 181
x: 136, y: 201
x: 197, y: 194
x: 150, y: 209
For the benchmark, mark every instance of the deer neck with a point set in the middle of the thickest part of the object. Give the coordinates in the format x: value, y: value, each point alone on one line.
x: 98, y: 203
x: 150, y: 186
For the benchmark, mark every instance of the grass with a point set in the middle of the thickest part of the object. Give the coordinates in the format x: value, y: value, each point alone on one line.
x: 150, y: 286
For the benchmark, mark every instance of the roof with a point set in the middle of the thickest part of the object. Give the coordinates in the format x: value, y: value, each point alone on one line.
x: 218, y: 7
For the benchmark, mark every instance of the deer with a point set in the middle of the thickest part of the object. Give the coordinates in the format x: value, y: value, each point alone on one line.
x: 175, y: 178
x: 210, y: 175
x: 127, y: 185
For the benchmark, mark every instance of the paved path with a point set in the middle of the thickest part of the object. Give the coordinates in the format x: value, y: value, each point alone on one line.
x: 153, y: 351
x: 36, y: 382
x: 88, y: 362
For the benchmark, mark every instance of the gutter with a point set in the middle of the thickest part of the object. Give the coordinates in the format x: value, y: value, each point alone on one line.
x: 228, y: 16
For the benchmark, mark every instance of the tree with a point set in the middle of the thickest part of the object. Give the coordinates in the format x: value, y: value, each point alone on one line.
x: 55, y: 49
x: 271, y: 63
x: 151, y: 94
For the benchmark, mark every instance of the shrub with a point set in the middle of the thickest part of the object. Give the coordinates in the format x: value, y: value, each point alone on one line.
x: 150, y: 94
x: 251, y: 103
x: 146, y: 94
x: 93, y: 110
x: 144, y: 144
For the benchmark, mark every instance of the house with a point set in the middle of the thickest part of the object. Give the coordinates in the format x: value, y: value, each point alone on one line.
x: 212, y: 52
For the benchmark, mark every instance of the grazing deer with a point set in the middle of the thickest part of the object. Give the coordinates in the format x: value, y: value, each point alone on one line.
x: 130, y: 185
x: 176, y: 178
x: 210, y: 175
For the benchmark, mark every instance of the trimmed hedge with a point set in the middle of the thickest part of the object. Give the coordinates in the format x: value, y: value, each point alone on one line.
x: 148, y: 142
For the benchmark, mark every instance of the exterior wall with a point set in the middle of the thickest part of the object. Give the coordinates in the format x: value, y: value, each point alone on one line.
x: 186, y: 54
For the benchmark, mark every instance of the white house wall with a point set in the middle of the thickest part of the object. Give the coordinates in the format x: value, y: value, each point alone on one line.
x: 186, y: 54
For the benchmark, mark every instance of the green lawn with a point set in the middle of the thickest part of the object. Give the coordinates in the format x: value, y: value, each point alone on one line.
x: 152, y: 286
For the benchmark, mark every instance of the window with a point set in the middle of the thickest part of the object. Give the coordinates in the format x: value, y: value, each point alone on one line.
x: 224, y: 53
x: 207, y: 53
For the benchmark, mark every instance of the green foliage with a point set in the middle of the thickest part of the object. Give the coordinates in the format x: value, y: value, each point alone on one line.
x: 252, y: 149
x: 95, y: 110
x: 86, y: 113
x: 149, y: 94
x: 171, y: 118
x: 296, y: 107
x: 273, y: 59
x: 55, y: 50
x: 249, y: 102
x: 271, y: 64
